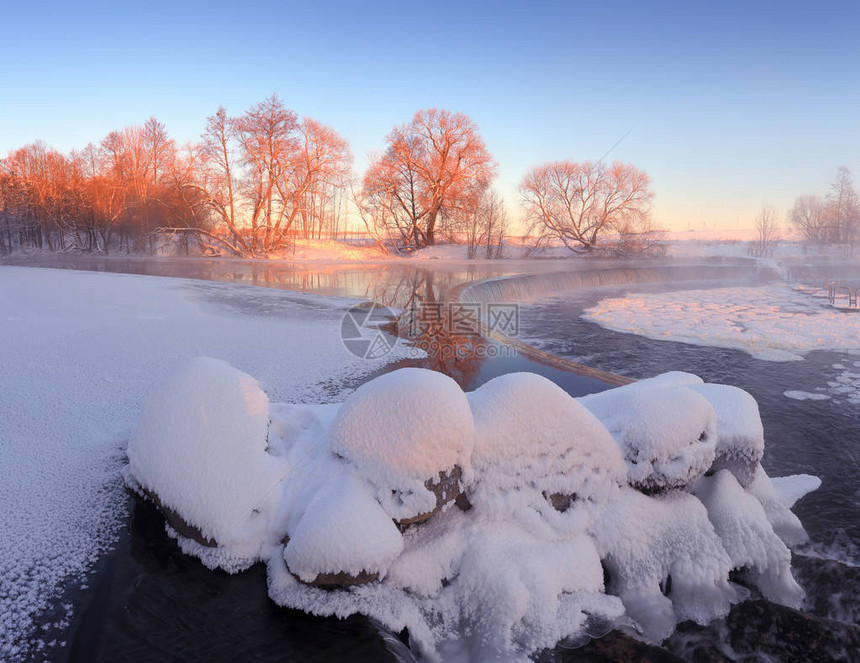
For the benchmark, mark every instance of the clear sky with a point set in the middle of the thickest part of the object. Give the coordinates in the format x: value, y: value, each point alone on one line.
x: 731, y: 104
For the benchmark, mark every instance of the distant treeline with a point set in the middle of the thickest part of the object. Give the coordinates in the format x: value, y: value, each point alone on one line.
x: 832, y: 219
x: 282, y: 175
x: 255, y: 183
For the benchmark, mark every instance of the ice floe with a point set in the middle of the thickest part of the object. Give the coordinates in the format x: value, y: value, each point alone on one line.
x: 771, y: 322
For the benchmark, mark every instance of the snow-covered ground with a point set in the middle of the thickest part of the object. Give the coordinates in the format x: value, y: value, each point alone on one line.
x: 79, y: 352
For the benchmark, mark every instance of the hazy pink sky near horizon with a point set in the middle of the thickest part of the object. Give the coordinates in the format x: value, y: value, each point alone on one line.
x: 730, y: 104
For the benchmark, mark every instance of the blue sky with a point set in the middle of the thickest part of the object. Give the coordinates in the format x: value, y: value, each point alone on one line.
x: 730, y: 104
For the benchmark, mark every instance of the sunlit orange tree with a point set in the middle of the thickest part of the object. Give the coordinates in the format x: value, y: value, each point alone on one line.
x: 433, y: 167
x: 265, y: 169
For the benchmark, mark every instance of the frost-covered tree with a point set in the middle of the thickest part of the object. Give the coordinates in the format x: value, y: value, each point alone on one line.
x: 484, y: 224
x: 767, y: 230
x: 579, y: 202
x: 265, y: 170
x: 432, y: 167
x: 809, y: 216
x: 834, y: 220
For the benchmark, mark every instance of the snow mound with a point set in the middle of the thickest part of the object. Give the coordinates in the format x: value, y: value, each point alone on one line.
x: 533, y: 438
x: 740, y: 434
x: 403, y: 430
x: 571, y: 511
x: 200, y: 447
x: 669, y: 379
x: 343, y: 531
x: 667, y: 432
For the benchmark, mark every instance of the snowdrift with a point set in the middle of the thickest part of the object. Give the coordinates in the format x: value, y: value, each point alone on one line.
x: 491, y: 525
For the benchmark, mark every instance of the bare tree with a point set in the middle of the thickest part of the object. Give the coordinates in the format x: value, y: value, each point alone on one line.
x: 265, y: 170
x: 433, y: 165
x: 843, y: 210
x: 484, y: 225
x: 216, y: 181
x: 809, y: 216
x: 185, y: 211
x: 319, y: 167
x: 641, y: 239
x: 266, y: 134
x: 767, y: 231
x: 579, y: 202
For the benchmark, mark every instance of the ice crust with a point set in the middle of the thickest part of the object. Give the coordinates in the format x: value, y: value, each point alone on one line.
x: 770, y: 322
x: 632, y: 485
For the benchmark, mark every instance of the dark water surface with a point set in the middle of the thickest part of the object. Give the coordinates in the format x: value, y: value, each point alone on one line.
x: 153, y: 603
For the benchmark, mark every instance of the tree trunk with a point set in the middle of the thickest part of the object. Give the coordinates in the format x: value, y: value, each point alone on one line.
x: 430, y: 234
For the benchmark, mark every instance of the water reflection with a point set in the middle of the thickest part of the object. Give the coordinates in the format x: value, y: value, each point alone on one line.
x: 393, y: 283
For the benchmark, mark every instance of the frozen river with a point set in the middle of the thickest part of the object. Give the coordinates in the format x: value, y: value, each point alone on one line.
x: 148, y: 595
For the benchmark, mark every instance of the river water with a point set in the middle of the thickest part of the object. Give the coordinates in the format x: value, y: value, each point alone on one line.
x: 390, y: 283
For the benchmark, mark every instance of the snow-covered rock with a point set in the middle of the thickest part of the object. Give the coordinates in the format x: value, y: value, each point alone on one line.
x: 562, y: 493
x: 531, y: 437
x: 667, y: 432
x: 343, y: 532
x: 740, y: 434
x: 402, y: 431
x: 200, y: 447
